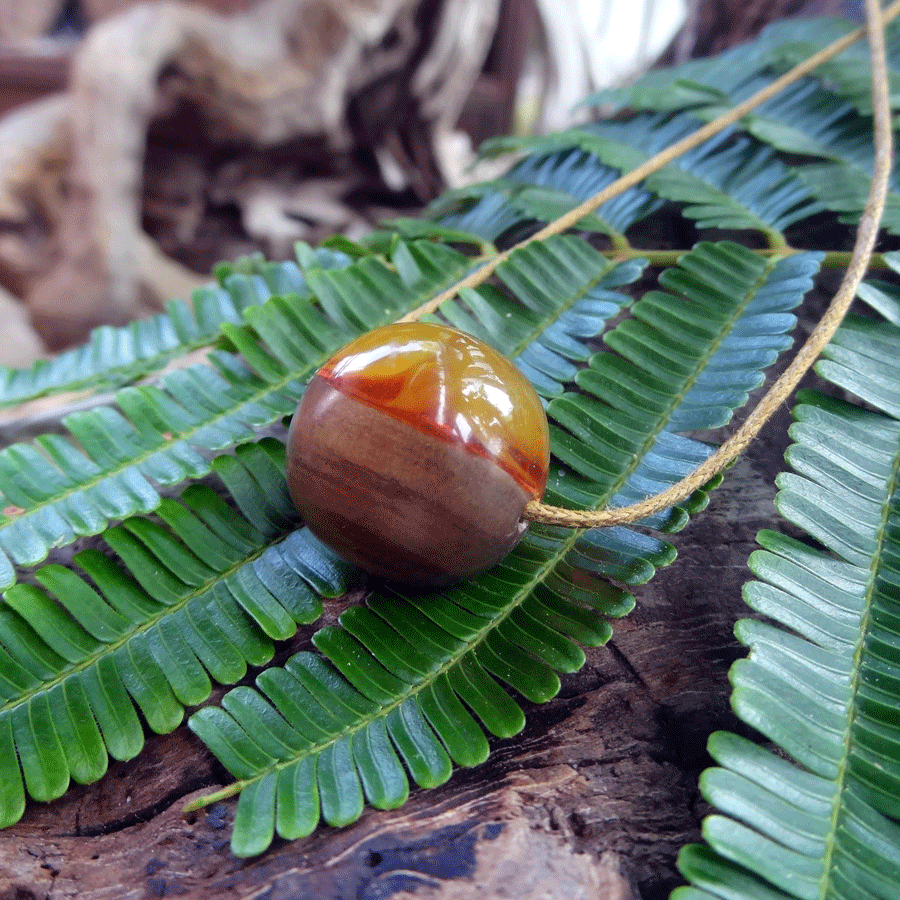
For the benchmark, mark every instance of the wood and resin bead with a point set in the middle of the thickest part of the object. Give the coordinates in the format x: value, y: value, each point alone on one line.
x: 414, y: 451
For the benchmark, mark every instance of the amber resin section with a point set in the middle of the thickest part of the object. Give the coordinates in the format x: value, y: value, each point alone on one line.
x: 414, y: 452
x: 453, y: 386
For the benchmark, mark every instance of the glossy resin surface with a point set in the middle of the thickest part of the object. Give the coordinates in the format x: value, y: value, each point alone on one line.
x: 414, y: 452
x: 453, y: 386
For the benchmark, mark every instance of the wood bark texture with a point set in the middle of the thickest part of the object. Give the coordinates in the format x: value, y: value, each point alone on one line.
x: 327, y: 81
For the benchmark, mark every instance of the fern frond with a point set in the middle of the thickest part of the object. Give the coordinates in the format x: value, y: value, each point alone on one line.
x: 209, y: 590
x: 847, y: 75
x: 882, y: 296
x: 729, y: 182
x: 862, y: 358
x: 540, y: 189
x: 117, y: 356
x: 726, y: 182
x: 804, y: 119
x: 198, y: 593
x: 701, y: 83
x: 400, y: 675
x: 808, y: 120
x: 694, y: 83
x: 821, y: 682
x: 826, y: 115
x: 683, y: 340
x: 419, y: 673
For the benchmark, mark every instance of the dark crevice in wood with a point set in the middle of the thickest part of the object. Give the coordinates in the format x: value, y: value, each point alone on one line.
x: 631, y: 671
x: 141, y: 816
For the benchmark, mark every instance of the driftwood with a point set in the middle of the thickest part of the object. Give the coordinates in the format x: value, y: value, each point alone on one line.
x: 323, y: 79
x: 591, y: 801
x: 21, y: 343
x: 200, y: 130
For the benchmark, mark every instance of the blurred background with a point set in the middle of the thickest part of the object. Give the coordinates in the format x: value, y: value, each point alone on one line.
x: 140, y: 143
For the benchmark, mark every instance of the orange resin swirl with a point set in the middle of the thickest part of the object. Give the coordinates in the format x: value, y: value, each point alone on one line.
x: 453, y: 386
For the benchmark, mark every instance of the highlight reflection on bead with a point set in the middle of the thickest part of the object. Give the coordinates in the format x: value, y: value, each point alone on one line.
x: 414, y: 452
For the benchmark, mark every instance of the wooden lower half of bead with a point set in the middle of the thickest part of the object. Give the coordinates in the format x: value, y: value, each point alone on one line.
x: 394, y: 500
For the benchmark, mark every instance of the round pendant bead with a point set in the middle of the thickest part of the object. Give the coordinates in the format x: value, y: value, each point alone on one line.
x: 414, y: 452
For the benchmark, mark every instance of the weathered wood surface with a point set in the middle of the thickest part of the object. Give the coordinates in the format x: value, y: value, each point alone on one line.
x: 592, y: 800
x: 203, y: 136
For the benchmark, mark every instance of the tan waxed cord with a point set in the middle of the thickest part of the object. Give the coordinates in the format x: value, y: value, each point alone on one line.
x: 824, y: 330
